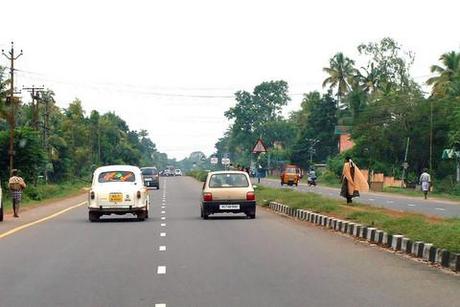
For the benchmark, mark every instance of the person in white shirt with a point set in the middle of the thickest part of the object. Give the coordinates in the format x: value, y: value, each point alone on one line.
x: 425, y: 182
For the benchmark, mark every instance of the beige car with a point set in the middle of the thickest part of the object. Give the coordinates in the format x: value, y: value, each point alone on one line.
x: 228, y: 191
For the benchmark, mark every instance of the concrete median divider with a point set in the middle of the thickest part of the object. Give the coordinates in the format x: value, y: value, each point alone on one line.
x: 395, y: 242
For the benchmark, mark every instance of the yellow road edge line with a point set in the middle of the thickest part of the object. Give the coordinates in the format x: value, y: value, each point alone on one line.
x: 19, y: 228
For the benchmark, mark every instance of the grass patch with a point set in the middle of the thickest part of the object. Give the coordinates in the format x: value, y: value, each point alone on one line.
x: 443, y: 233
x: 36, y: 194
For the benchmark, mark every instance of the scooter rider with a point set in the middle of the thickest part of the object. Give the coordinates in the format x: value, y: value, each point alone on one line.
x: 312, y: 177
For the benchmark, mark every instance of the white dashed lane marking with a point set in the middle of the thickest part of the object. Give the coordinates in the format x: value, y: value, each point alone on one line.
x: 162, y: 207
x: 411, y: 205
x: 161, y: 269
x: 160, y: 305
x: 390, y: 201
x: 163, y: 212
x: 163, y: 234
x: 440, y: 209
x: 371, y: 199
x: 162, y: 248
x: 163, y: 224
x: 163, y: 218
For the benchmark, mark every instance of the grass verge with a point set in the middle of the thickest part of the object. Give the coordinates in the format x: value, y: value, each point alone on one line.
x: 36, y: 194
x: 443, y: 233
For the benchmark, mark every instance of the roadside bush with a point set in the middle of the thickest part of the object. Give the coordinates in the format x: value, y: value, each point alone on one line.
x: 329, y: 177
x: 198, y: 175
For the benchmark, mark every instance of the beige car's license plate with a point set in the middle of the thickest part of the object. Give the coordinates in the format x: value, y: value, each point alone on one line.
x: 229, y: 207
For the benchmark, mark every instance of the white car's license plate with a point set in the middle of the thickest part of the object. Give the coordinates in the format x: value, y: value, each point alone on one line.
x: 148, y: 179
x: 229, y: 207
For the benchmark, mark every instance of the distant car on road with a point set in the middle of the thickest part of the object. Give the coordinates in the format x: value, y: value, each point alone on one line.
x: 118, y: 189
x: 151, y: 177
x: 177, y: 172
x: 228, y: 191
x: 167, y: 173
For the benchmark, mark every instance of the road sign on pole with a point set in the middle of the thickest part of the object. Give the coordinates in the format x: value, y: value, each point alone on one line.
x: 225, y: 161
x: 259, y: 147
x: 214, y: 160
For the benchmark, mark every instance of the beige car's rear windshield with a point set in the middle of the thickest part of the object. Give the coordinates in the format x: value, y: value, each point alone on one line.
x: 228, y: 181
x: 116, y: 176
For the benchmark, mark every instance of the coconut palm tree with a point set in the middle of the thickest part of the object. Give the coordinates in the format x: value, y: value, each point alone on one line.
x: 341, y: 72
x: 447, y: 75
x: 368, y: 80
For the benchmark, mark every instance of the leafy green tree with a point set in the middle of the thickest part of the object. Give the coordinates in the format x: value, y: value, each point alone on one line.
x: 250, y: 116
x: 388, y: 64
x: 318, y: 138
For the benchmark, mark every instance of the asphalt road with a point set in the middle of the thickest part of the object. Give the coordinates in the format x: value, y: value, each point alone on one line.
x: 431, y: 207
x: 182, y: 260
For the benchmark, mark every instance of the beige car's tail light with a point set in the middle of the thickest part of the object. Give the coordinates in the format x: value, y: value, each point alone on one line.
x: 138, y: 194
x: 250, y: 196
x: 207, y: 196
x: 92, y: 195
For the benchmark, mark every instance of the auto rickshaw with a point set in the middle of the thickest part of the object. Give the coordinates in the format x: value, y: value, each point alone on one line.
x: 291, y: 175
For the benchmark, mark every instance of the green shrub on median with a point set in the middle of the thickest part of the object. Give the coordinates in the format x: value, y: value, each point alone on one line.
x: 198, y: 175
x: 443, y: 233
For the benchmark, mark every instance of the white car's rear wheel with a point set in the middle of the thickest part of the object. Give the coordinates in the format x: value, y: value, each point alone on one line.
x: 93, y: 216
x: 1, y: 212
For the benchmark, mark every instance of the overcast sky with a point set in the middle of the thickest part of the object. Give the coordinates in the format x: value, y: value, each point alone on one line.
x: 171, y: 67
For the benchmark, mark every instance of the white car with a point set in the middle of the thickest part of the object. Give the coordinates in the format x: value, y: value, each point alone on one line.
x: 177, y: 172
x: 118, y: 189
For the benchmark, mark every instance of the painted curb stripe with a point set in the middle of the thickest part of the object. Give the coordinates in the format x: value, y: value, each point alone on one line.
x: 22, y: 227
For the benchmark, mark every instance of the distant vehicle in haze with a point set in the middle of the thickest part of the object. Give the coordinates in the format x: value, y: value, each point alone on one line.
x: 151, y: 177
x: 118, y: 189
x: 177, y: 172
x: 228, y: 191
x: 167, y: 172
x: 291, y: 175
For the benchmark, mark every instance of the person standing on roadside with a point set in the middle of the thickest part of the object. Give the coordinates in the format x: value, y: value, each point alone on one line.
x: 16, y: 185
x: 425, y: 182
x: 353, y: 181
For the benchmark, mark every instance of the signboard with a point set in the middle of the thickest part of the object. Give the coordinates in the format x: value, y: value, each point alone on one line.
x: 214, y: 160
x: 225, y: 161
x: 259, y: 147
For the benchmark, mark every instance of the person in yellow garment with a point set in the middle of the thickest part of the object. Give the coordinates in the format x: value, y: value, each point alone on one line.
x: 16, y: 184
x: 353, y: 181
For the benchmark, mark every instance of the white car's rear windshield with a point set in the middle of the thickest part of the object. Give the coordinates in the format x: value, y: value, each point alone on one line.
x: 228, y: 181
x: 116, y: 176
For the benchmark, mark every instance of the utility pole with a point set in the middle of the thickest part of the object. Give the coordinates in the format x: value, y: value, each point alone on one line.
x: 431, y: 135
x: 34, y: 91
x: 405, y: 164
x: 12, y: 116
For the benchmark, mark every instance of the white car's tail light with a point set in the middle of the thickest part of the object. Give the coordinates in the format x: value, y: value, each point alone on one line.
x: 92, y: 195
x: 138, y: 194
x: 207, y: 196
x: 250, y: 196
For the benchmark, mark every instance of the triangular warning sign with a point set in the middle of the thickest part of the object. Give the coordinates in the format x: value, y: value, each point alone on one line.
x: 259, y: 147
